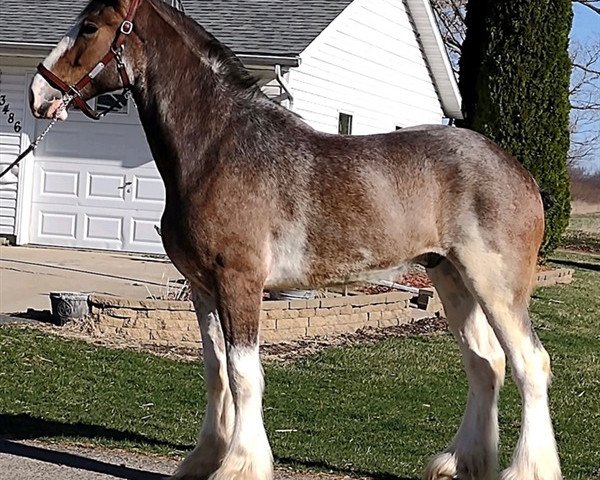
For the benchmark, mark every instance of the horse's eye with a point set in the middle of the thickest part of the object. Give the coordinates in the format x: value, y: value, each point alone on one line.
x: 88, y: 28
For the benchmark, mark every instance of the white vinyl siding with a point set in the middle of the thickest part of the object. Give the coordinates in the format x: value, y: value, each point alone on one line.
x: 368, y: 62
x: 12, y: 87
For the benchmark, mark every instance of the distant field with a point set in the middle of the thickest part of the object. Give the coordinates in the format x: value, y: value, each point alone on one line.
x: 581, y: 208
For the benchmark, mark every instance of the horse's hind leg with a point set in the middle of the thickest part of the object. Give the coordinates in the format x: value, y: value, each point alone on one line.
x: 217, y: 427
x: 472, y: 454
x: 501, y: 283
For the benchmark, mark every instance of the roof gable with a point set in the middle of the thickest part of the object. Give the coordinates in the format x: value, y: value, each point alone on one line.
x: 270, y: 27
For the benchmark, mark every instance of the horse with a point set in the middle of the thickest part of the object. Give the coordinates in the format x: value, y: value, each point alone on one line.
x: 256, y: 198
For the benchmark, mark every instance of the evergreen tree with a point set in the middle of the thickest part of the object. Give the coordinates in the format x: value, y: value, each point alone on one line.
x: 514, y: 79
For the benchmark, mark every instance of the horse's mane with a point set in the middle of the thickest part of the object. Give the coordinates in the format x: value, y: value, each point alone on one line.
x: 227, y: 65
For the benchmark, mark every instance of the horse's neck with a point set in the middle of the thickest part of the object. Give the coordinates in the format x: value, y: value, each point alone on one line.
x: 182, y: 108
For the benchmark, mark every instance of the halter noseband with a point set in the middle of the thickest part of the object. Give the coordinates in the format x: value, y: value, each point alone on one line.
x: 73, y: 92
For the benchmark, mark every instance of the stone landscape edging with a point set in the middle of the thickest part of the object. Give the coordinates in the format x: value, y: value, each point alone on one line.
x: 173, y: 323
x: 556, y: 276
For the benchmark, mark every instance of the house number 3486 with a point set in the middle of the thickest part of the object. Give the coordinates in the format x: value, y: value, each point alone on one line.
x: 5, y: 106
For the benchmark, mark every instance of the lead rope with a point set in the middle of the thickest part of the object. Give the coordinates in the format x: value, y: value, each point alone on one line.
x: 65, y: 101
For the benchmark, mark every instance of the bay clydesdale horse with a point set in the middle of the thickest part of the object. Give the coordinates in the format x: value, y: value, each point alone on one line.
x: 256, y: 198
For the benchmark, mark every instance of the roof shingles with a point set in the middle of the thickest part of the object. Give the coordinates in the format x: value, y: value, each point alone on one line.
x: 267, y: 27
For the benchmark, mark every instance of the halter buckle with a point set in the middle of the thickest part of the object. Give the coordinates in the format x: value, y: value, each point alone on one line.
x: 73, y: 92
x: 126, y: 27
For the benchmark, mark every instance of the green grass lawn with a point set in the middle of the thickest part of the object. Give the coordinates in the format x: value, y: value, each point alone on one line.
x: 380, y: 408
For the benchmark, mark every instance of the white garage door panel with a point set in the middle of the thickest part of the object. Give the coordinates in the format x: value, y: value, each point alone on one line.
x: 56, y: 224
x: 143, y: 231
x: 103, y: 186
x: 96, y: 186
x: 103, y: 228
x: 74, y: 229
x: 148, y: 193
x: 59, y: 185
x: 98, y: 228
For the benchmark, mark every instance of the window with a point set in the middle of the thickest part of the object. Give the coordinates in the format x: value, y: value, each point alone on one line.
x: 104, y: 102
x: 345, y: 124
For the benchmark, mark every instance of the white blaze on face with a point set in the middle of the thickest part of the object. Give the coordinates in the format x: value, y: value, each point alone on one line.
x: 43, y: 92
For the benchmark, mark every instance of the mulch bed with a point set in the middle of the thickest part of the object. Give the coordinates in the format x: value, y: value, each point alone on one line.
x: 290, y: 351
x: 580, y: 241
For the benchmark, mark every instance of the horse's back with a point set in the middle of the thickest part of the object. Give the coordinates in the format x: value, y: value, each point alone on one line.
x: 381, y: 200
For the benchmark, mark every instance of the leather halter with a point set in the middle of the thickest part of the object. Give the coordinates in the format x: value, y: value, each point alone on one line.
x: 73, y: 92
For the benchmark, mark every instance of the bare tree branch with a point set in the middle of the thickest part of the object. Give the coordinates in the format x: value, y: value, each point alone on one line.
x: 450, y: 15
x: 585, y: 102
x: 593, y: 5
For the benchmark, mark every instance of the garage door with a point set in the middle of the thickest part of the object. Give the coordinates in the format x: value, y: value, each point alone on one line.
x: 96, y: 186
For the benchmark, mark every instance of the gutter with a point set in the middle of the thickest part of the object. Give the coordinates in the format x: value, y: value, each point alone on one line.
x: 291, y: 61
x: 31, y: 49
x: 428, y: 34
x: 25, y: 49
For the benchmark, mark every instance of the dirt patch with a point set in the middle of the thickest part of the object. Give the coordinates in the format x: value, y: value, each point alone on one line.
x: 270, y: 352
x: 290, y: 351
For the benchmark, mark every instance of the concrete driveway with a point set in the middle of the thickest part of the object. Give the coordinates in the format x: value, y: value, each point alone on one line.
x: 29, y: 274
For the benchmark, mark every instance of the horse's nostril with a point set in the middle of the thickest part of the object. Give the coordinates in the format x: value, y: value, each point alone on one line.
x: 42, y: 110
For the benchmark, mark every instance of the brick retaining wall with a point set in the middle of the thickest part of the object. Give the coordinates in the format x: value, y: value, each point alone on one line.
x: 164, y: 323
x: 171, y: 323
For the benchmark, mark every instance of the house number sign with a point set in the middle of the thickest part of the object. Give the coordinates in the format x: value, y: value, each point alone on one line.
x: 5, y: 106
x: 6, y: 111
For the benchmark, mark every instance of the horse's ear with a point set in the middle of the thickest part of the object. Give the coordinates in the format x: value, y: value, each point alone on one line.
x: 177, y: 4
x: 121, y: 6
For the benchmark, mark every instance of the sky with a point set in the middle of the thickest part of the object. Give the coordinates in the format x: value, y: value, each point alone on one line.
x: 586, y: 28
x: 586, y: 24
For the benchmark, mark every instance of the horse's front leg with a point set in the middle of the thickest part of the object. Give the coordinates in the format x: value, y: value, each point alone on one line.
x: 239, y: 296
x: 217, y: 427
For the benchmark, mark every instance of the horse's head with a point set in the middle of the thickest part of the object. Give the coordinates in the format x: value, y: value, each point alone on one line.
x: 88, y: 58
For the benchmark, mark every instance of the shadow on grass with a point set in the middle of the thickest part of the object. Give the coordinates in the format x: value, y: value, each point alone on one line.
x: 352, y: 472
x: 577, y: 264
x: 26, y: 427
x: 76, y: 461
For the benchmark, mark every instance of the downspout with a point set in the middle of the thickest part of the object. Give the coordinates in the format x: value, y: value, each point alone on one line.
x: 283, y: 84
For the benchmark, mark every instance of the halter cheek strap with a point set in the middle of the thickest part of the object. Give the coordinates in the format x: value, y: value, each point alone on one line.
x: 115, y: 53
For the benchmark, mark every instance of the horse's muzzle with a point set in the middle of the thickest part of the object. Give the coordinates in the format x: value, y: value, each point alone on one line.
x: 45, y: 101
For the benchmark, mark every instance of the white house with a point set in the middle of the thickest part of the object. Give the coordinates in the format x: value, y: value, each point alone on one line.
x: 359, y: 67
